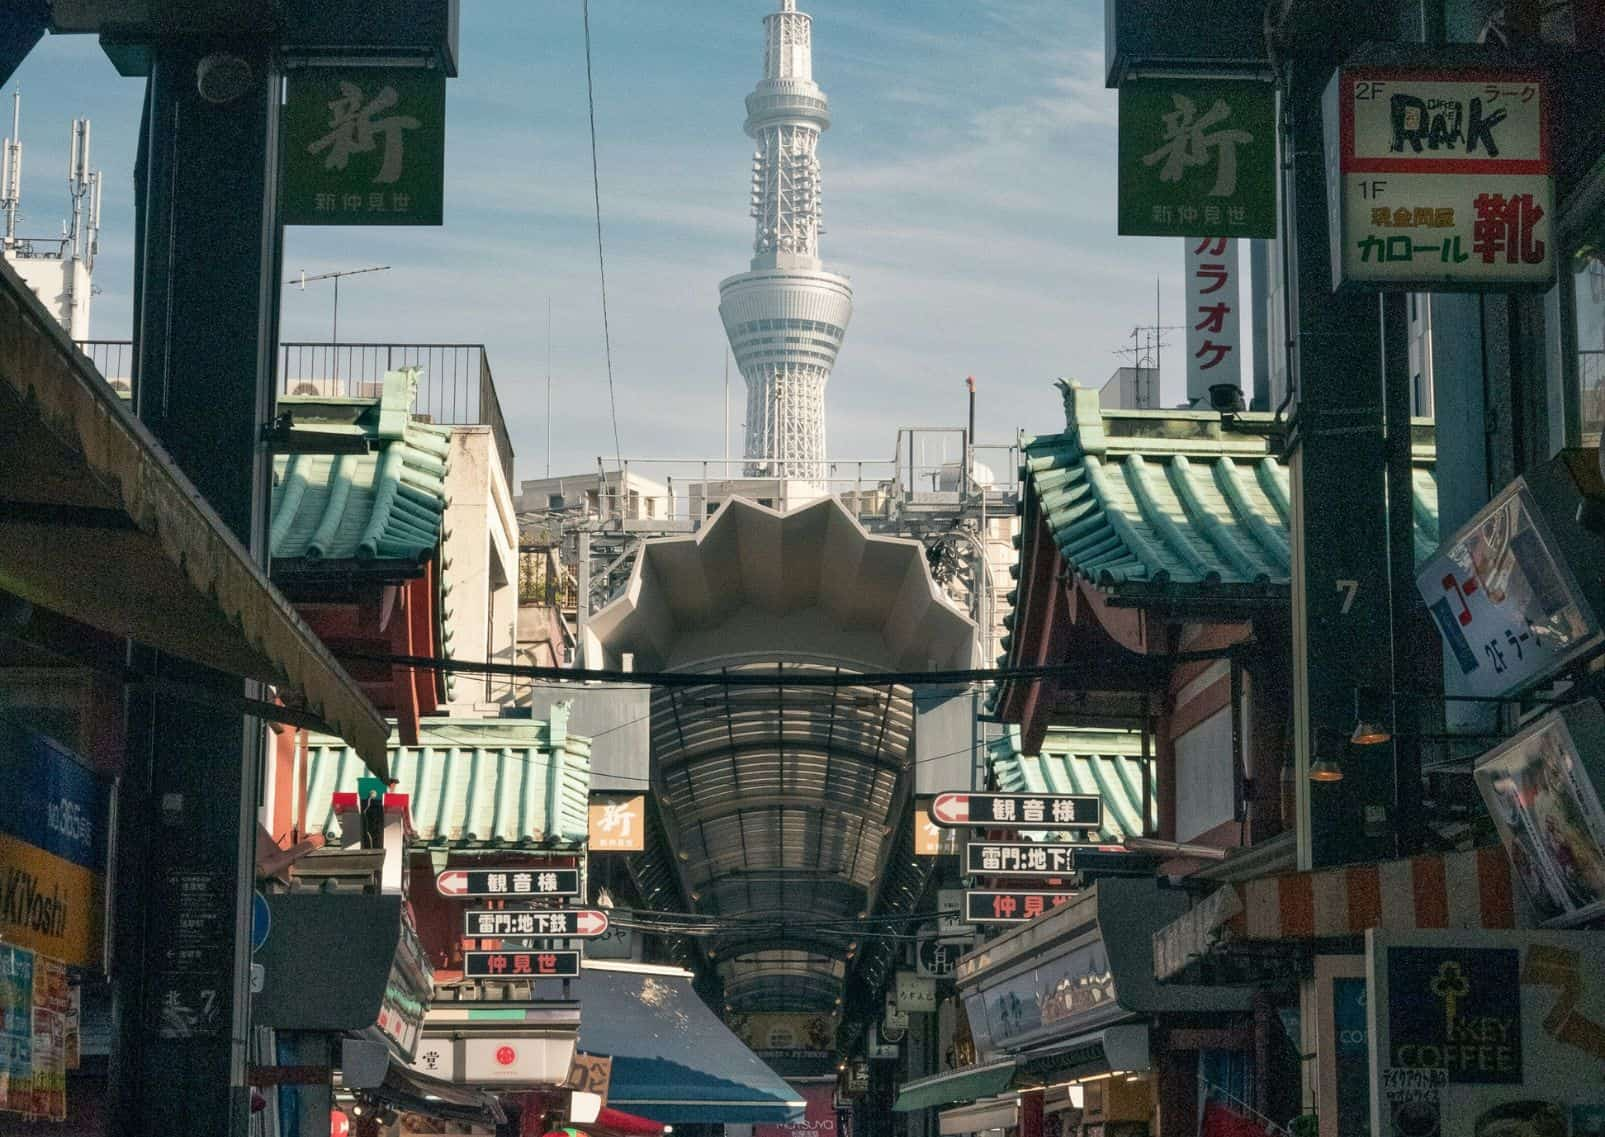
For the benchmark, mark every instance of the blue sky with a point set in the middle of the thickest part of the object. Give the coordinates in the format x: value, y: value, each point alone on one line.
x: 969, y: 186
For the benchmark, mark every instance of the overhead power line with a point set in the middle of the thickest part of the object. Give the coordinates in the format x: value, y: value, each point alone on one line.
x: 601, y: 260
x: 797, y: 678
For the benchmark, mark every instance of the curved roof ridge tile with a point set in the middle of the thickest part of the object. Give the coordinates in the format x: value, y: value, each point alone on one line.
x: 1179, y: 473
x: 1272, y: 542
x: 1174, y: 541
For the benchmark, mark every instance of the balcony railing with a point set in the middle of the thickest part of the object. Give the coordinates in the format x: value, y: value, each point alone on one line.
x: 455, y: 389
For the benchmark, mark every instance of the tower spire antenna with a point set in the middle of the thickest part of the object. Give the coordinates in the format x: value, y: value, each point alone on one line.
x: 787, y: 316
x: 11, y: 171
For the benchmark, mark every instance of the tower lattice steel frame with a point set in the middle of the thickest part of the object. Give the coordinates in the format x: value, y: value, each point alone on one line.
x: 786, y: 318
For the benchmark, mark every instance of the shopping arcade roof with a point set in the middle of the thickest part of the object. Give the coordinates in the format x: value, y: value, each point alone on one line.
x: 781, y: 801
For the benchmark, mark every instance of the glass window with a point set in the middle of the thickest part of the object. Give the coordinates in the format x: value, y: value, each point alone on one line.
x: 1589, y: 290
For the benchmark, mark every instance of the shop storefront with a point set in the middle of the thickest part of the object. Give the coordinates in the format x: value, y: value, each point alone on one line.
x: 1069, y: 1000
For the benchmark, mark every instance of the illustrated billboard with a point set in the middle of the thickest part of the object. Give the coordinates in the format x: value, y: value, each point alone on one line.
x: 1485, y: 1034
x: 1541, y: 789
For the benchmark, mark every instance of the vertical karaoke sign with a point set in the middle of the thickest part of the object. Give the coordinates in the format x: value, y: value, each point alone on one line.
x: 1214, y: 331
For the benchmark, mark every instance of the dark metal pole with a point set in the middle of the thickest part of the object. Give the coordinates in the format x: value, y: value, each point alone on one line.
x: 1409, y: 625
x: 207, y: 276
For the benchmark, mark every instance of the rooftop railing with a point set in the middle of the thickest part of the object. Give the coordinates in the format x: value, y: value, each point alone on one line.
x: 456, y: 387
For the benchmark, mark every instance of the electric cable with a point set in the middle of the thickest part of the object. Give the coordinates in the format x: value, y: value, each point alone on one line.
x: 601, y: 260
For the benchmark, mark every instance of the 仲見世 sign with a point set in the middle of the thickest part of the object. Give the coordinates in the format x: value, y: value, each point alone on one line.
x: 364, y: 146
x: 1197, y: 156
x: 1214, y: 337
x: 521, y: 964
x: 985, y: 906
x: 1439, y: 179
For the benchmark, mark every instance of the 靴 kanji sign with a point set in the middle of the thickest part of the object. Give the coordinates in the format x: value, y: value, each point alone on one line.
x: 521, y: 964
x: 364, y: 146
x: 1018, y: 811
x: 522, y: 880
x: 1439, y: 179
x: 553, y: 923
x: 987, y: 907
x: 1197, y: 156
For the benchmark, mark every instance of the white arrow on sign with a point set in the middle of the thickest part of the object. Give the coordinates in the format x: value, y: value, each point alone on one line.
x: 951, y: 809
x: 452, y: 882
x: 590, y: 922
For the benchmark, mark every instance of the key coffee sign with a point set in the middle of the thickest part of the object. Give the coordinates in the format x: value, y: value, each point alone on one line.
x: 1439, y: 179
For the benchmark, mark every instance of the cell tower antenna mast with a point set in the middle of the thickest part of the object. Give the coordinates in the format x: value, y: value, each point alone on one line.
x: 11, y: 171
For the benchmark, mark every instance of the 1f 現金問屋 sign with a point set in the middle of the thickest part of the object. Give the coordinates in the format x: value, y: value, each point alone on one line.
x: 1439, y: 180
x: 1197, y: 155
x: 364, y: 146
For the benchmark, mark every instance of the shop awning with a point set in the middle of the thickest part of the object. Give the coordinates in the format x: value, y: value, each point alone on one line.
x: 978, y: 1117
x: 616, y: 1123
x: 674, y: 1061
x: 96, y: 521
x: 1470, y: 889
x: 1122, y: 1048
x: 946, y: 1088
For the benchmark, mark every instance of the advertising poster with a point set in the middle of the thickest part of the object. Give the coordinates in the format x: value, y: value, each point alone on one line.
x: 1548, y: 815
x: 1485, y: 1034
x: 16, y: 1028
x: 819, y: 1116
x: 1509, y: 610
x: 52, y: 850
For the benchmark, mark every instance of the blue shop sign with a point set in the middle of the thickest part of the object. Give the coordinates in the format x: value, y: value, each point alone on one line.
x: 58, y: 804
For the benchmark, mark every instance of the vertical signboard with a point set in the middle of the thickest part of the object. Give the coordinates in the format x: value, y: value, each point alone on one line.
x: 1485, y: 1033
x: 364, y: 146
x: 1214, y: 330
x: 1439, y: 179
x: 1197, y: 155
x: 52, y: 849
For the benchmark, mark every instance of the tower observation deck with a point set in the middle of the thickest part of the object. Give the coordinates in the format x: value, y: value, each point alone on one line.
x: 786, y: 318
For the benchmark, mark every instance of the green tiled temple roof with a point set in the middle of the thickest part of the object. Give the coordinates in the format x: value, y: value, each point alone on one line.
x: 385, y: 505
x: 1152, y: 500
x: 1103, y: 762
x: 491, y: 783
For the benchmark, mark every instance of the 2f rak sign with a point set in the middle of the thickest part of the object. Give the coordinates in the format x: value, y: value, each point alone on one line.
x: 1197, y: 158
x: 1439, y: 179
x: 364, y: 146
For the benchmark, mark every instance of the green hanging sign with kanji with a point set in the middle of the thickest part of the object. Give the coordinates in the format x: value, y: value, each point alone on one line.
x: 364, y: 146
x: 1197, y: 158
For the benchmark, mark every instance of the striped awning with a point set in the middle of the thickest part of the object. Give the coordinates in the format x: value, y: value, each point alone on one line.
x: 1470, y: 889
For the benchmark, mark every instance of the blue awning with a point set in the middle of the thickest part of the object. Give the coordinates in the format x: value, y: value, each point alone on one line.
x: 674, y: 1061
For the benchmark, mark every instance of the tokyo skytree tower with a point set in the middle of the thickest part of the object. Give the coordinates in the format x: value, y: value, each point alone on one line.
x: 787, y: 316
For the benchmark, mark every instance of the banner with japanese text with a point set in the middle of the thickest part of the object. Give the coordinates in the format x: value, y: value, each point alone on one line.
x: 1197, y: 155
x: 1214, y: 328
x: 1446, y: 179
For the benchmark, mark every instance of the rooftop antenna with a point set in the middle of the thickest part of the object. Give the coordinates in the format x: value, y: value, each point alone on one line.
x: 11, y: 171
x: 303, y: 280
x: 548, y: 386
x: 84, y: 186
